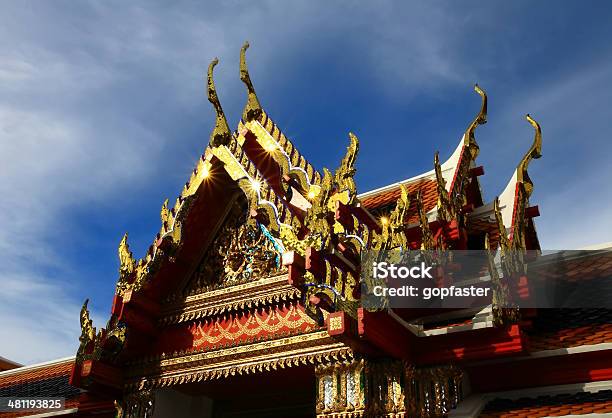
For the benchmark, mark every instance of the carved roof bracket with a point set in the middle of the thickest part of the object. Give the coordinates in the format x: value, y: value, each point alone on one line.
x: 393, y: 229
x: 343, y: 176
x: 447, y: 208
x: 427, y: 240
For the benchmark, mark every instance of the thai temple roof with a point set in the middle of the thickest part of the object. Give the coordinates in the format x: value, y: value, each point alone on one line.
x: 182, y: 314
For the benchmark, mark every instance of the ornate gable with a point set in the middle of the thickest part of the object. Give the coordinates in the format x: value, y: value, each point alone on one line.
x: 241, y: 252
x: 257, y: 265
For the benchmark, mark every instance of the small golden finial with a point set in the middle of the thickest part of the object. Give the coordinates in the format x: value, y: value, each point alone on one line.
x: 535, y: 151
x: 344, y: 174
x: 221, y: 133
x: 88, y: 332
x: 252, y: 110
x: 126, y: 260
x: 165, y: 215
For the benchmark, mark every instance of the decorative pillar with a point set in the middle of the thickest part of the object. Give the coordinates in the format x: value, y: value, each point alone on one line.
x: 386, y: 388
x: 138, y: 404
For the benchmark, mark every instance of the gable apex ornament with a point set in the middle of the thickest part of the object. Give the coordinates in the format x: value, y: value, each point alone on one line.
x: 252, y: 110
x: 221, y: 133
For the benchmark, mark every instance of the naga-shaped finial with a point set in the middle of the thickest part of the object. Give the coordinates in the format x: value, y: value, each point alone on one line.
x: 88, y: 332
x: 468, y: 139
x: 221, y: 133
x: 343, y: 176
x: 126, y: 260
x: 535, y: 151
x: 252, y: 110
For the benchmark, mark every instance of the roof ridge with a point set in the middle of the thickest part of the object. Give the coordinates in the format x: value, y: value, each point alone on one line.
x: 37, y: 366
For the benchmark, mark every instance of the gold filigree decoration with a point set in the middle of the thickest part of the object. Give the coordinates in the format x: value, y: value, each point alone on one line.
x: 427, y: 240
x: 252, y: 110
x: 503, y: 311
x: 240, y: 253
x: 221, y: 133
x: 316, y: 220
x: 290, y: 240
x: 447, y: 207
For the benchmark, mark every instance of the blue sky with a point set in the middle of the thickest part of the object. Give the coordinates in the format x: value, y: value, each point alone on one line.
x: 103, y: 115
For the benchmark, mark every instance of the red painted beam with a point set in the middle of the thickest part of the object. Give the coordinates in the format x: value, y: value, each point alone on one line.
x: 295, y: 264
x: 477, y: 344
x: 384, y: 332
x: 343, y: 328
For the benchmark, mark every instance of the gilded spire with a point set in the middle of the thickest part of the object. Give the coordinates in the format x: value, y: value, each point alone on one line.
x: 535, y: 151
x: 221, y: 133
x: 252, y: 110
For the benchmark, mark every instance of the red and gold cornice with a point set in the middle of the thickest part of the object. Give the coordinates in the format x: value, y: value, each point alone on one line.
x: 167, y: 370
x: 243, y: 297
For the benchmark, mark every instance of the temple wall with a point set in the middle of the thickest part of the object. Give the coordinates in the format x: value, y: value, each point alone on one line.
x: 170, y: 403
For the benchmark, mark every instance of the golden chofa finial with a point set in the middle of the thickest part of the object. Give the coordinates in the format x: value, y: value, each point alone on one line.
x: 535, y: 151
x: 252, y: 110
x: 88, y: 332
x: 126, y: 260
x: 221, y: 133
x: 481, y: 119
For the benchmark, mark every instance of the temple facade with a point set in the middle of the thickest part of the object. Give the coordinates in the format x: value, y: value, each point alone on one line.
x: 248, y: 303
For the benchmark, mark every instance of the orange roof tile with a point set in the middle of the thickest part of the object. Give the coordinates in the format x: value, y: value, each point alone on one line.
x: 29, y: 374
x: 564, y: 328
x: 427, y: 187
x: 556, y: 405
x: 572, y: 337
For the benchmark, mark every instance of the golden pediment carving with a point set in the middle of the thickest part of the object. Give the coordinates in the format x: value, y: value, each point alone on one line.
x: 241, y: 252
